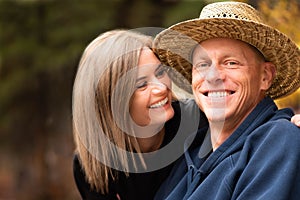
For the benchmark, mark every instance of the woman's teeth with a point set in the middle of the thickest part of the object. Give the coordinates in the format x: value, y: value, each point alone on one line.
x: 160, y: 104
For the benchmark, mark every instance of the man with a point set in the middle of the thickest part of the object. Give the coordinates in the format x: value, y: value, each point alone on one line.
x: 238, y: 66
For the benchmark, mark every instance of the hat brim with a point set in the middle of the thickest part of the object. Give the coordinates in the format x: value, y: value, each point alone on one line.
x: 174, y: 45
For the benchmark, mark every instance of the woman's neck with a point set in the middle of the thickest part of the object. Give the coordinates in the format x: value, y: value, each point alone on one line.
x: 152, y: 143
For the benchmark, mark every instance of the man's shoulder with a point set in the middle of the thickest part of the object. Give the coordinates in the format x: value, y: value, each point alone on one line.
x: 283, y: 127
x: 281, y: 121
x: 277, y: 131
x: 275, y: 120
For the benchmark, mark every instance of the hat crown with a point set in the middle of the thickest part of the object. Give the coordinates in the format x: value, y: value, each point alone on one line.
x: 231, y: 10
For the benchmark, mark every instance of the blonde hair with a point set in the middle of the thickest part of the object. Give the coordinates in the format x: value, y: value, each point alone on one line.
x: 107, y: 59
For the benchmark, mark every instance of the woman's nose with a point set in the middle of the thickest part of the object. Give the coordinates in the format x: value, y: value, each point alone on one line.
x: 158, y: 87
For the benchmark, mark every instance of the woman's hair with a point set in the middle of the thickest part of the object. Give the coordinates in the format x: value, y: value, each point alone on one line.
x: 101, y: 97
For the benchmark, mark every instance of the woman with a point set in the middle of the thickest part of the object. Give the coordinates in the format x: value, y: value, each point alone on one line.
x: 121, y: 100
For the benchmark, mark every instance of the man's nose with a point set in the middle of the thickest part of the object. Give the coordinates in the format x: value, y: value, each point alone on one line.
x: 214, y: 74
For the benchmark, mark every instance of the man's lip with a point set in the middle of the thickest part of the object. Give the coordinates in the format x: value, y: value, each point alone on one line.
x: 218, y: 93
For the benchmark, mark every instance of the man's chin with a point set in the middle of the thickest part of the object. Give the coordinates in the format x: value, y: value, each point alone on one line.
x: 215, y: 114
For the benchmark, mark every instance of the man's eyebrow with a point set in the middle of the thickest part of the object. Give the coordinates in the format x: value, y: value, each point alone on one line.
x: 201, y: 57
x: 202, y: 54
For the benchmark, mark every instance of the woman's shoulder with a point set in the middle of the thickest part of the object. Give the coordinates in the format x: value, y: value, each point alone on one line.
x: 84, y: 188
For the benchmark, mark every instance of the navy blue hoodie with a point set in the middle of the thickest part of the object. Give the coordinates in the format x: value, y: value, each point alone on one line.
x: 260, y: 160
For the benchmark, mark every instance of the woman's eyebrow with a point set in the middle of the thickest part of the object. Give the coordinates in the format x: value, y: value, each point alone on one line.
x: 144, y: 77
x: 160, y: 65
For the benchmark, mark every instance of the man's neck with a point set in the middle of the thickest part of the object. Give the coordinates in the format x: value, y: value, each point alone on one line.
x: 220, y: 131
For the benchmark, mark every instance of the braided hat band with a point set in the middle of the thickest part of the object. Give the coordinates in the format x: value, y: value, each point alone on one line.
x: 233, y: 20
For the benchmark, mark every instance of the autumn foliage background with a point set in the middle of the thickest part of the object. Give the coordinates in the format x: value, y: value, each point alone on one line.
x: 41, y: 42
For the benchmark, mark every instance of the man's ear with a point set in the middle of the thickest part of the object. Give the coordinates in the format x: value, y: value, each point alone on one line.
x: 269, y: 72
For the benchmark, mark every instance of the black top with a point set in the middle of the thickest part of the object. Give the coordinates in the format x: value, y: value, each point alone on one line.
x: 136, y: 186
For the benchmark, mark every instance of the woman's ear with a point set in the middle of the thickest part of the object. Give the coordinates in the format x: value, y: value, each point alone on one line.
x: 269, y: 72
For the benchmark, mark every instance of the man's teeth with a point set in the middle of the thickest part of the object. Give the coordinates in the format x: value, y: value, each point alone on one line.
x: 159, y: 104
x: 218, y: 94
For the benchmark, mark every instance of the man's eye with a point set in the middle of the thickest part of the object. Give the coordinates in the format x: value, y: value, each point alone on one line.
x: 202, y: 65
x: 231, y: 64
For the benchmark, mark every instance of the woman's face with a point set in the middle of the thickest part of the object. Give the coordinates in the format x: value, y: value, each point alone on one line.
x: 151, y: 101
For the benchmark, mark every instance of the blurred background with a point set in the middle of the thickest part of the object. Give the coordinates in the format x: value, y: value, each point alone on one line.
x: 41, y: 42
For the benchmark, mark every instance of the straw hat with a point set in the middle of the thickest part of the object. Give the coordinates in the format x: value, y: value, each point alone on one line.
x: 234, y: 20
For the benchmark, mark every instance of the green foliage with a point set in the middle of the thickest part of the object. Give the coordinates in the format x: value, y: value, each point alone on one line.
x: 284, y: 15
x: 44, y: 36
x: 40, y: 46
x: 184, y: 10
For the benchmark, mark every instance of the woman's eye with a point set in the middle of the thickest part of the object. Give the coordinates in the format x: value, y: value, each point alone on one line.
x: 141, y: 85
x: 161, y: 71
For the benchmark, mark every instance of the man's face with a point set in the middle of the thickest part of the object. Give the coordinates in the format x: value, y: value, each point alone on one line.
x: 229, y: 79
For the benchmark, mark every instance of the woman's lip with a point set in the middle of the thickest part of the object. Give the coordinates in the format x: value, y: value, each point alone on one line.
x: 160, y: 103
